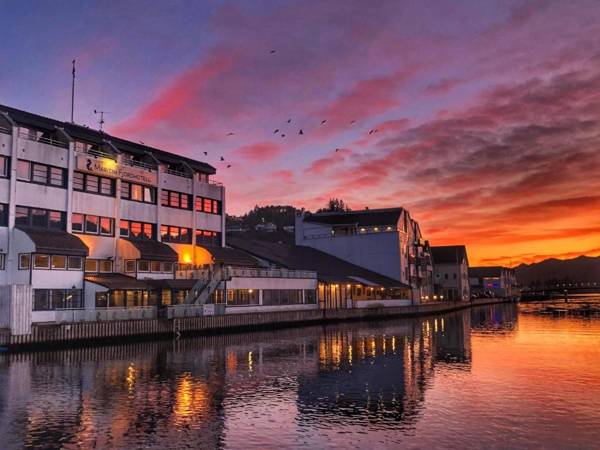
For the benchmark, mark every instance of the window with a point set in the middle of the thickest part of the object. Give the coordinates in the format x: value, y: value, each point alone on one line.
x: 59, y: 262
x: 143, y: 266
x: 91, y: 265
x: 130, y: 265
x: 242, y: 297
x: 41, y: 173
x: 310, y: 296
x: 78, y: 181
x: 137, y: 230
x: 41, y: 261
x: 107, y: 186
x: 4, y: 167
x: 51, y: 299
x: 106, y: 226
x: 208, y: 205
x: 167, y: 267
x: 75, y: 263
x: 2, y: 261
x: 23, y: 170
x: 41, y: 218
x: 174, y: 199
x: 175, y: 234
x: 92, y: 183
x: 3, y: 215
x: 106, y: 265
x: 155, y: 266
x: 205, y: 237
x: 138, y: 193
x: 282, y: 296
x: 91, y: 224
x: 77, y: 223
x: 24, y: 261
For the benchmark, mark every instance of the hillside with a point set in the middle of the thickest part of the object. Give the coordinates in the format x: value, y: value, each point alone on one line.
x: 580, y: 269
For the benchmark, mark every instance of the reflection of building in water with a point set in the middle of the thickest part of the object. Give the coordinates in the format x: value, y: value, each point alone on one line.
x: 375, y: 376
x: 496, y: 318
x: 452, y: 334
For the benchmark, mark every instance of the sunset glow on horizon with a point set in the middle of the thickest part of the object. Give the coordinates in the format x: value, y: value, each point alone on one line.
x: 481, y: 118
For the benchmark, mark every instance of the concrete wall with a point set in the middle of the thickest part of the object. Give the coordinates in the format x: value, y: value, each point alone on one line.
x: 16, y: 303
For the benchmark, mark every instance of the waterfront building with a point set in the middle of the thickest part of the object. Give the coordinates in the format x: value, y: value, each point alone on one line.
x: 92, y: 224
x: 498, y: 280
x: 340, y: 284
x: 451, y: 272
x: 385, y: 241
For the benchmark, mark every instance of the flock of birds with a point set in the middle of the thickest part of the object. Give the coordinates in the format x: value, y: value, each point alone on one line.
x: 283, y: 135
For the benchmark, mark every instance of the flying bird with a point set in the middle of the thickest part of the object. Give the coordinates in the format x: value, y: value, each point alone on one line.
x: 228, y: 166
x: 337, y: 150
x: 222, y: 159
x: 276, y: 131
x: 300, y: 132
x: 283, y: 135
x: 289, y: 121
x: 230, y: 134
x: 323, y: 121
x: 373, y: 131
x: 352, y: 121
x: 205, y: 153
x: 272, y: 51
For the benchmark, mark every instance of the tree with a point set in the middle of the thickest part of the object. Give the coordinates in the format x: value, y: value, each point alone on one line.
x: 335, y: 205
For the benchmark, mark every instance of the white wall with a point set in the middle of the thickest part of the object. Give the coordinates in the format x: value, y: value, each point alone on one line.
x: 141, y: 212
x: 90, y: 294
x: 5, y: 144
x: 43, y: 153
x: 41, y: 196
x: 4, y: 190
x: 98, y: 205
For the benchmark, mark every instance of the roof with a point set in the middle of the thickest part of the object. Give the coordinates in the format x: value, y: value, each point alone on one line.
x: 116, y: 281
x: 28, y: 119
x: 483, y: 272
x: 449, y: 254
x: 231, y: 256
x: 329, y: 268
x: 154, y: 250
x: 366, y: 217
x: 187, y: 283
x: 55, y: 241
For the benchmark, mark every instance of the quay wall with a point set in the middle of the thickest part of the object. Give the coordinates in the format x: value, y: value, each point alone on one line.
x: 65, y: 335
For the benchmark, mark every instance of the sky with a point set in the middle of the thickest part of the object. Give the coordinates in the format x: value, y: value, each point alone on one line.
x: 487, y: 114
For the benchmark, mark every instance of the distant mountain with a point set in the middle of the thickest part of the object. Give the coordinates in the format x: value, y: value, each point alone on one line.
x: 549, y: 271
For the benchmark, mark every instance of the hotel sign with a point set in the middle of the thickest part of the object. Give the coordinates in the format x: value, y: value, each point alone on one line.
x: 107, y: 167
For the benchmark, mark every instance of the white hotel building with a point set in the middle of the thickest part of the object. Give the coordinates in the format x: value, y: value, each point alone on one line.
x: 91, y: 224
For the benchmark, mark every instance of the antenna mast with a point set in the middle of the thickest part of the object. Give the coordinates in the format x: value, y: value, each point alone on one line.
x: 101, y: 121
x: 73, y: 93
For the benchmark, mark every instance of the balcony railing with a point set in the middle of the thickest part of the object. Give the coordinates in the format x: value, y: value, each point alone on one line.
x: 5, y: 130
x: 36, y: 136
x: 243, y: 272
x: 177, y: 173
x: 95, y: 153
x: 105, y: 314
x: 143, y: 165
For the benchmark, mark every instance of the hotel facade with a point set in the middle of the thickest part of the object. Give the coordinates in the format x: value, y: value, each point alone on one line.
x: 99, y: 228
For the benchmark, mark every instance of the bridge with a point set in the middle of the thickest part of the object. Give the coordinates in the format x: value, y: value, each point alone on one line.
x: 560, y: 290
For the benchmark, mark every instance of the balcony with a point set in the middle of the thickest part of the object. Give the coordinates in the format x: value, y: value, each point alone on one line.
x: 38, y: 136
x: 178, y: 173
x: 242, y: 272
x: 5, y: 130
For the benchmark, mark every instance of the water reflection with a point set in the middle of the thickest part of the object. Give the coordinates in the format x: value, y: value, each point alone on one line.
x: 297, y: 387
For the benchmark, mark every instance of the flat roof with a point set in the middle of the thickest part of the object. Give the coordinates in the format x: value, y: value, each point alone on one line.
x: 365, y: 217
x: 86, y: 134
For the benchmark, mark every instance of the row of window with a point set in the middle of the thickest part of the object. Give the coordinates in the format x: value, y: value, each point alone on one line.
x: 126, y: 299
x: 94, y: 184
x: 41, y: 173
x: 148, y: 266
x: 208, y: 205
x: 40, y: 218
x: 178, y: 235
x: 270, y: 297
x: 51, y: 299
x: 138, y: 192
x: 174, y: 199
x: 89, y: 224
x: 137, y: 230
x: 50, y: 262
x: 205, y: 237
x: 275, y: 297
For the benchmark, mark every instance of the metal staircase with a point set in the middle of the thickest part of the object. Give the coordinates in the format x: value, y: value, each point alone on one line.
x: 205, y: 286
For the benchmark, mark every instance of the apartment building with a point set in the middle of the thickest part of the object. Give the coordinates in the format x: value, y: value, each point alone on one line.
x: 385, y: 241
x: 451, y: 272
x: 90, y: 222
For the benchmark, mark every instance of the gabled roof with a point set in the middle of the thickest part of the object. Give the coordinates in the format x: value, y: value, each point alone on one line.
x: 55, y: 242
x: 80, y: 132
x: 154, y: 250
x: 449, y: 254
x: 366, y: 217
x: 329, y: 268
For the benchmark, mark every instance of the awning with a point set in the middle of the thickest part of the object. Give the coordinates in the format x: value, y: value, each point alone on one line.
x: 55, y: 242
x: 154, y: 250
x: 118, y: 281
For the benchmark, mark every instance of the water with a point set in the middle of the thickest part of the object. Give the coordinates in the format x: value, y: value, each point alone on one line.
x: 490, y: 377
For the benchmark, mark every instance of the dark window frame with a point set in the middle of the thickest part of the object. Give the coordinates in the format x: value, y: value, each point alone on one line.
x: 143, y: 225
x: 175, y: 199
x: 48, y: 176
x: 126, y: 187
x: 167, y: 237
x: 4, y: 166
x: 84, y: 183
x: 4, y: 214
x: 49, y: 223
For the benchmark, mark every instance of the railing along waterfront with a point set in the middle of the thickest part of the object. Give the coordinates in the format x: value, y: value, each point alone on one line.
x: 243, y: 272
x: 36, y: 136
x: 105, y: 314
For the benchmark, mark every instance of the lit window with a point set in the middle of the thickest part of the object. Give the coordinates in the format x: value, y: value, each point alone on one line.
x: 91, y: 224
x: 130, y: 265
x: 105, y: 265
x: 155, y: 266
x: 77, y: 223
x: 59, y: 262
x: 41, y: 261
x: 143, y: 266
x: 106, y: 226
x: 91, y: 265
x: 24, y: 261
x: 23, y: 170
